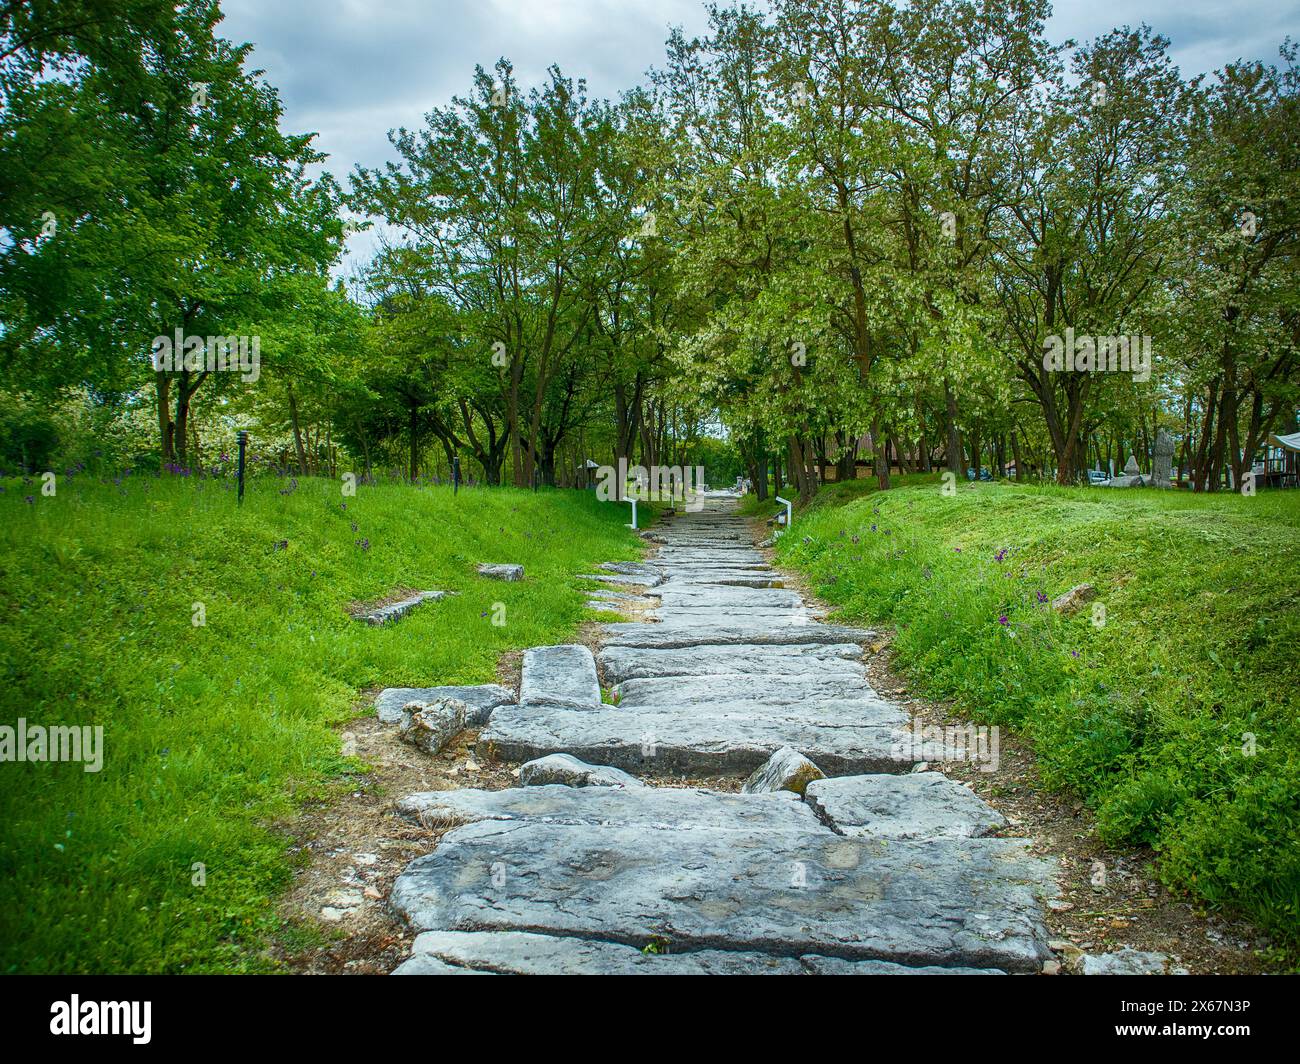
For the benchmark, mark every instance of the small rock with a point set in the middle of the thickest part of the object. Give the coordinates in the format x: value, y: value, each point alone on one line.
x: 372, y: 893
x: 432, y: 725
x: 1051, y: 967
x: 921, y: 766
x: 568, y: 770
x: 365, y: 859
x: 1060, y: 906
x: 1072, y: 600
x: 509, y: 573
x: 333, y: 915
x: 785, y: 770
x: 1126, y: 961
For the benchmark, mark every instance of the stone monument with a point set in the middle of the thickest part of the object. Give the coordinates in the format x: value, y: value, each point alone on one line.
x: 1162, y: 461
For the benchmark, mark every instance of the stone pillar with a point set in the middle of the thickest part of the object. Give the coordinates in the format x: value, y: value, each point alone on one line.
x: 1162, y: 461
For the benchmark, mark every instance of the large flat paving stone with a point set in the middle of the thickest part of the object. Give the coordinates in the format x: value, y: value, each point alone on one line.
x: 839, y: 966
x: 949, y: 902
x: 924, y: 805
x: 559, y: 676
x: 669, y: 636
x: 619, y: 663
x: 525, y: 953
x: 726, y: 740
x: 763, y: 690
x: 481, y: 699
x: 662, y: 808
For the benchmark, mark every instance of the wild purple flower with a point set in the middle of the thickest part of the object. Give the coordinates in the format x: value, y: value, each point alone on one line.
x: 1074, y: 653
x: 873, y: 528
x: 1002, y: 620
x: 1000, y: 554
x: 957, y: 549
x: 1041, y: 598
x: 29, y: 500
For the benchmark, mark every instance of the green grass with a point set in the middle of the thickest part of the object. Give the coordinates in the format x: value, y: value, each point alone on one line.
x: 1146, y: 713
x: 212, y: 734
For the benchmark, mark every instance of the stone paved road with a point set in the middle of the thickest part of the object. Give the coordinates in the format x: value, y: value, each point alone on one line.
x: 876, y: 870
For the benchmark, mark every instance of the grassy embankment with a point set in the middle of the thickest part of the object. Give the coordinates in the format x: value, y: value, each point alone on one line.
x: 1175, y: 713
x: 213, y: 732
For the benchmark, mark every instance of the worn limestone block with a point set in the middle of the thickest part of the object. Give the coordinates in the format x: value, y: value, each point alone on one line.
x: 559, y: 676
x: 480, y: 699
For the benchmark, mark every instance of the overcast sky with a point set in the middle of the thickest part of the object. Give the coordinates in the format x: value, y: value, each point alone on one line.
x: 351, y: 70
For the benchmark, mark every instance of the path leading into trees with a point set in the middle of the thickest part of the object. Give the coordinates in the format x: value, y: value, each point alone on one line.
x: 879, y: 868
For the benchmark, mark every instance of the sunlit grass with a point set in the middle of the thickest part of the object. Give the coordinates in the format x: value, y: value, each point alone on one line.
x: 1148, y: 709
x: 213, y: 731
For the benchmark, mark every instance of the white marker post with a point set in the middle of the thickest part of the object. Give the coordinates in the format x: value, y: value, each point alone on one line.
x: 789, y: 514
x: 633, y: 502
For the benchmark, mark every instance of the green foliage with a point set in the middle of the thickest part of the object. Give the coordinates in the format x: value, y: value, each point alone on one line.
x: 213, y: 733
x: 1176, y: 719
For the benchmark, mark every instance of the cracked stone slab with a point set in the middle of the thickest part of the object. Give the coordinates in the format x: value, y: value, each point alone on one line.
x: 562, y: 675
x: 713, y: 616
x: 526, y: 953
x: 509, y: 573
x: 618, y: 579
x: 837, y: 966
x: 728, y: 740
x: 947, y: 902
x: 724, y: 595
x: 669, y: 636
x: 632, y: 568
x: 397, y: 610
x: 481, y: 699
x: 659, y: 808
x: 782, y: 690
x: 924, y: 805
x: 620, y: 663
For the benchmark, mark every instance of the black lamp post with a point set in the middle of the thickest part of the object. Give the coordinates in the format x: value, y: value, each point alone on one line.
x: 243, y: 444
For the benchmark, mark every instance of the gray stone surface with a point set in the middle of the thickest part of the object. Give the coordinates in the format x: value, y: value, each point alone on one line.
x: 396, y: 610
x: 669, y: 636
x: 620, y: 580
x: 432, y: 725
x: 1162, y: 461
x: 568, y: 770
x: 771, y: 690
x: 524, y: 953
x: 480, y: 699
x: 1126, y: 961
x: 923, y: 805
x: 619, y: 663
x: 559, y: 676
x: 729, y: 741
x: 641, y: 569
x: 785, y: 770
x: 969, y: 902
x: 1074, y: 599
x: 836, y: 966
x: 660, y: 808
x: 885, y: 873
x: 510, y: 573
